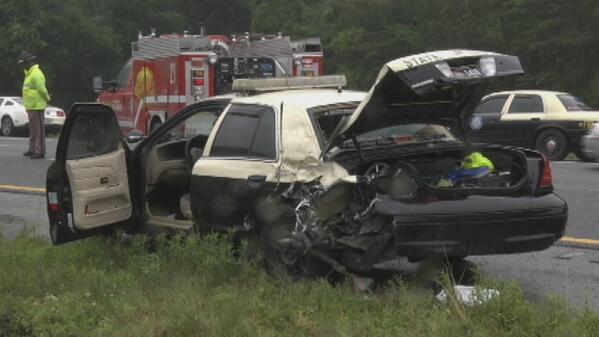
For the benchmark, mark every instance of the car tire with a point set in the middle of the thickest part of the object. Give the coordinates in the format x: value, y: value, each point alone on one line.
x: 7, y: 127
x: 58, y: 235
x: 281, y: 261
x: 580, y: 154
x: 553, y: 144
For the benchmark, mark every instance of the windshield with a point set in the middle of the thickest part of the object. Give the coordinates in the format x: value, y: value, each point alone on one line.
x: 124, y: 75
x: 18, y: 100
x: 201, y: 123
x: 573, y: 103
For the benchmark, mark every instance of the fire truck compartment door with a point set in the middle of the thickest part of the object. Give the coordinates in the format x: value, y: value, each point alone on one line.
x: 94, y: 159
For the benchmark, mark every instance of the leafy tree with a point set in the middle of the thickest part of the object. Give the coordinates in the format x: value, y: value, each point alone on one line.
x: 76, y: 39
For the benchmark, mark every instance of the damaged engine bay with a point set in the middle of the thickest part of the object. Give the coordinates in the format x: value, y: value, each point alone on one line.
x: 350, y: 225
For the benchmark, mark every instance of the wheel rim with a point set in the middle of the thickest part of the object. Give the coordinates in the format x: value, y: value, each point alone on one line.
x: 6, y: 127
x: 552, y: 146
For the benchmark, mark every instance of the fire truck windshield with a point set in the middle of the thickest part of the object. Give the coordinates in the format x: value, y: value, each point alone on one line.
x: 122, y: 80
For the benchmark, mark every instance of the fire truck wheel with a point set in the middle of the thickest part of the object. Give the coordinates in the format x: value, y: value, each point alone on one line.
x: 155, y: 125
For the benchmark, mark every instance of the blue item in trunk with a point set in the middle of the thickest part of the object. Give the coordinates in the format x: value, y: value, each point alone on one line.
x: 468, y: 174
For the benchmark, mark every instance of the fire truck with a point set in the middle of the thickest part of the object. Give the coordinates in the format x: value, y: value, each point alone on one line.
x: 168, y: 72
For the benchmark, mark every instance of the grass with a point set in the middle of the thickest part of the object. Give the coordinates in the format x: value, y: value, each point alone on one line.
x: 194, y: 287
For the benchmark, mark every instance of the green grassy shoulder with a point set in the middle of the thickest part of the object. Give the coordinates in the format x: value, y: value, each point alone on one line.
x: 194, y: 287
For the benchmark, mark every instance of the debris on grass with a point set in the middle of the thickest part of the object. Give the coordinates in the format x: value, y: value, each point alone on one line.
x: 468, y: 295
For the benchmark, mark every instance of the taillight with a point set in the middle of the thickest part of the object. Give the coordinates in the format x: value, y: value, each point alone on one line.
x: 53, y: 204
x: 60, y: 113
x: 198, y: 82
x: 547, y: 179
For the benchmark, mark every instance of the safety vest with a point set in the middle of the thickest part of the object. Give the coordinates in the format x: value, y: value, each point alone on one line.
x: 35, y: 94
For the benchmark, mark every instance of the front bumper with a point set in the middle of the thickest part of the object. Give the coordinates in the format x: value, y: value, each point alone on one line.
x: 575, y: 137
x: 477, y: 225
x: 590, y: 146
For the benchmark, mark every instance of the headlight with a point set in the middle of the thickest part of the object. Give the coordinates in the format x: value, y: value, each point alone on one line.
x: 212, y: 58
x: 445, y: 69
x: 297, y: 60
x: 488, y: 66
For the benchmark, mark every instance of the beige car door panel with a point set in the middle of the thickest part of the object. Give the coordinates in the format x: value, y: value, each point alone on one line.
x: 100, y: 189
x: 166, y: 163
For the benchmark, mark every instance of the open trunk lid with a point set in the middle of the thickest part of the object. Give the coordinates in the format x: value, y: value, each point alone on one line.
x: 434, y: 87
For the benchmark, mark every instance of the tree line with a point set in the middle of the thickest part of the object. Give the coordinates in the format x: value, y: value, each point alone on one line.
x: 74, y: 40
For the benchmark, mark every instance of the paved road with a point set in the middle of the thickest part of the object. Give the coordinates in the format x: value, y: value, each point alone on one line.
x: 15, y: 169
x: 578, y: 184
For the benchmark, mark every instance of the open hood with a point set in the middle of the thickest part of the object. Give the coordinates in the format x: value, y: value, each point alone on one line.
x: 433, y: 87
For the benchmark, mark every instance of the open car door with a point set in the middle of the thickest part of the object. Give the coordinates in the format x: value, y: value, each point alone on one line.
x: 87, y: 185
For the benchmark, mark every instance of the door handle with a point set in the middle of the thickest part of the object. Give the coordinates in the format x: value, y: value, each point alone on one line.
x: 535, y: 119
x: 256, y: 181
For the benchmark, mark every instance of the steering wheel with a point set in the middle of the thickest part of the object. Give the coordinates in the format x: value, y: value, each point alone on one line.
x: 196, y: 142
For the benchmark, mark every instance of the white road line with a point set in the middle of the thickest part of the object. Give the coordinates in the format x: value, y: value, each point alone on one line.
x: 27, y: 139
x: 572, y: 162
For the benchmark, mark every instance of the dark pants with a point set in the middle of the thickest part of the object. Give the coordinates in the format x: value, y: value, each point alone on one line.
x: 37, y: 134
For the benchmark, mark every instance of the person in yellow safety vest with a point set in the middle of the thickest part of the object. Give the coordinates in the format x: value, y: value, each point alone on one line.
x: 144, y: 84
x: 477, y: 160
x: 35, y: 100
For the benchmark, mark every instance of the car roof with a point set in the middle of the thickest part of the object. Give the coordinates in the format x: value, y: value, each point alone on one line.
x: 10, y: 97
x: 527, y: 92
x: 303, y: 99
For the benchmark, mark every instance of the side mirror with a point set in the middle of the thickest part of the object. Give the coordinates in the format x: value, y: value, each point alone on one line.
x: 100, y: 85
x: 135, y: 136
x: 97, y: 84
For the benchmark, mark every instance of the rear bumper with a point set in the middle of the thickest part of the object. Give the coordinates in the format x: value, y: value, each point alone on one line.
x: 54, y: 121
x: 477, y: 225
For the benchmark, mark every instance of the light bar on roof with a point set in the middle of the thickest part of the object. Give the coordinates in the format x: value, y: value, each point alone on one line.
x: 288, y: 83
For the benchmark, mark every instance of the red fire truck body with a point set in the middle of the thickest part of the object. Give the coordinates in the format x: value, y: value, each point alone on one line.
x: 169, y: 72
x: 308, y: 57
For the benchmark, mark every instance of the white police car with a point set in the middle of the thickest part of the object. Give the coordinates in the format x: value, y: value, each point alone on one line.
x: 328, y: 178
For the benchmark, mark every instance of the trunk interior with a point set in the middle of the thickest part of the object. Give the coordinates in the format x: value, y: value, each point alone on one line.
x: 443, y: 170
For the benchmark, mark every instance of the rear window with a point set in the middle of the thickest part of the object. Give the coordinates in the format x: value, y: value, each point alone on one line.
x: 417, y: 130
x: 246, y: 131
x: 573, y: 103
x: 326, y: 118
x: 526, y: 104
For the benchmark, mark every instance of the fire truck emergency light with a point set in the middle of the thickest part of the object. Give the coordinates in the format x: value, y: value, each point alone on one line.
x: 288, y: 83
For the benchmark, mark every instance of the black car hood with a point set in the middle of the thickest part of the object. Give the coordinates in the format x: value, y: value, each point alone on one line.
x: 435, y: 87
